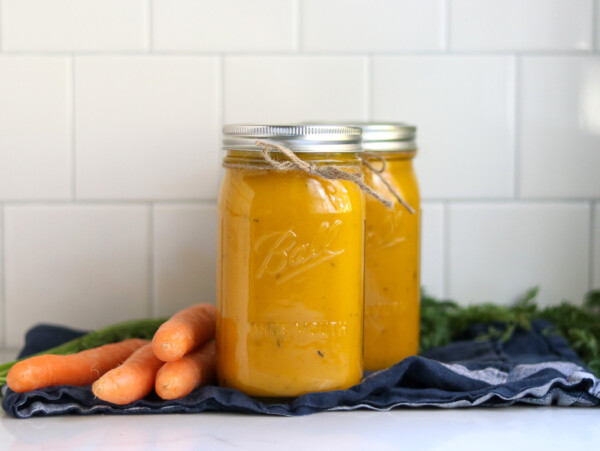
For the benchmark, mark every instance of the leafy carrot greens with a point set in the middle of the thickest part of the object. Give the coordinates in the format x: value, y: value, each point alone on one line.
x: 443, y: 321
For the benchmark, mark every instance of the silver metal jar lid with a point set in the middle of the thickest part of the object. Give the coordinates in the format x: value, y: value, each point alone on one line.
x: 388, y: 136
x: 298, y: 138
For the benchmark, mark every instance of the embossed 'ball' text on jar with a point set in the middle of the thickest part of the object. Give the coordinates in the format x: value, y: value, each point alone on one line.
x: 392, y: 273
x: 290, y: 260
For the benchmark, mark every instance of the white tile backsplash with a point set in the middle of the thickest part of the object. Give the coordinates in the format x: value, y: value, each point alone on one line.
x: 499, y: 251
x: 372, y: 25
x: 463, y: 106
x: 77, y: 264
x: 223, y: 25
x: 529, y: 25
x: 35, y: 128
x: 146, y: 127
x: 185, y: 256
x: 73, y: 25
x: 290, y: 89
x: 432, y: 248
x: 110, y: 118
x: 560, y: 127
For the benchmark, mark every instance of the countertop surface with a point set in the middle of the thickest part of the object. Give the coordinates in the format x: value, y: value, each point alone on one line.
x: 490, y: 429
x: 464, y: 429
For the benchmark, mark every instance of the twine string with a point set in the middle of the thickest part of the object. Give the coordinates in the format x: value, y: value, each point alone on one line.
x: 328, y: 172
x: 378, y: 173
x: 366, y: 156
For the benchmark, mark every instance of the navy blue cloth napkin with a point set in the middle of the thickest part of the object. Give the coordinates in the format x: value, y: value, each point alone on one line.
x: 533, y: 367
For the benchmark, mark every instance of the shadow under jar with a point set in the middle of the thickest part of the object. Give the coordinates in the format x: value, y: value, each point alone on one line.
x: 392, y: 279
x: 290, y: 262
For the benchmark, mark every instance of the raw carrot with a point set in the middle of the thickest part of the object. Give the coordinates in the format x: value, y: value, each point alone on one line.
x: 177, y: 379
x: 131, y: 381
x: 79, y: 369
x: 184, y: 332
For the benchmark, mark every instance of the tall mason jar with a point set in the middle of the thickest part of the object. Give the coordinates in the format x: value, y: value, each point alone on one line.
x: 290, y: 261
x: 392, y: 270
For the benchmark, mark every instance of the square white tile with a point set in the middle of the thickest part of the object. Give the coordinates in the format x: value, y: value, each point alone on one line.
x: 521, y: 25
x: 147, y: 127
x: 74, y: 25
x: 498, y: 251
x: 35, y: 128
x: 432, y: 248
x: 77, y: 265
x: 223, y: 25
x: 560, y: 127
x: 284, y: 89
x: 463, y: 107
x: 185, y: 256
x: 372, y: 25
x: 596, y: 249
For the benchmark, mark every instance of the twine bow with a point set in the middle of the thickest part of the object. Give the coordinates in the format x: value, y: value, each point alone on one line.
x: 294, y: 163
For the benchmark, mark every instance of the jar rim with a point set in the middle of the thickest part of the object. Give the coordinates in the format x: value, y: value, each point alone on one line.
x: 320, y: 138
x: 385, y: 136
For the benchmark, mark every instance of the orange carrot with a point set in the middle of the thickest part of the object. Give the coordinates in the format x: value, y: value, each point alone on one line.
x: 184, y: 332
x: 131, y: 381
x: 79, y: 369
x: 177, y: 379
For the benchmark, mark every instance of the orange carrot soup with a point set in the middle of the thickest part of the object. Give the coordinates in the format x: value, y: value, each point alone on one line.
x: 392, y: 284
x: 290, y: 262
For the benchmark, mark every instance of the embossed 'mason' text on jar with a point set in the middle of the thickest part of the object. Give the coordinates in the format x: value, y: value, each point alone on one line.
x: 392, y: 279
x: 290, y: 260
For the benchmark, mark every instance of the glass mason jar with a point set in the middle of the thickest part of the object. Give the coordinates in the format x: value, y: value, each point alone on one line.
x: 392, y: 279
x: 290, y: 263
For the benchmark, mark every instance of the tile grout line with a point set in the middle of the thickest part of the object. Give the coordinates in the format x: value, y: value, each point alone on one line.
x: 446, y: 25
x: 1, y: 35
x: 73, y: 149
x: 595, y: 25
x: 153, y: 301
x: 213, y: 201
x: 367, y: 87
x: 445, y: 250
x: 296, y: 26
x: 516, y: 141
x: 221, y: 90
x: 83, y: 201
x: 279, y: 53
x: 508, y: 200
x: 150, y: 25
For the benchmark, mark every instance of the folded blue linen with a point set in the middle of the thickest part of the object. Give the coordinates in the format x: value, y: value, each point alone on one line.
x: 532, y: 367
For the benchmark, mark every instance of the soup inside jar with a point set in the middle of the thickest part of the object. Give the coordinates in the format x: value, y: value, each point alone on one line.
x: 290, y: 280
x: 392, y: 288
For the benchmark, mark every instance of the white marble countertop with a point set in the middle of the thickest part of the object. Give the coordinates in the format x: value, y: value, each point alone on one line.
x: 511, y: 428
